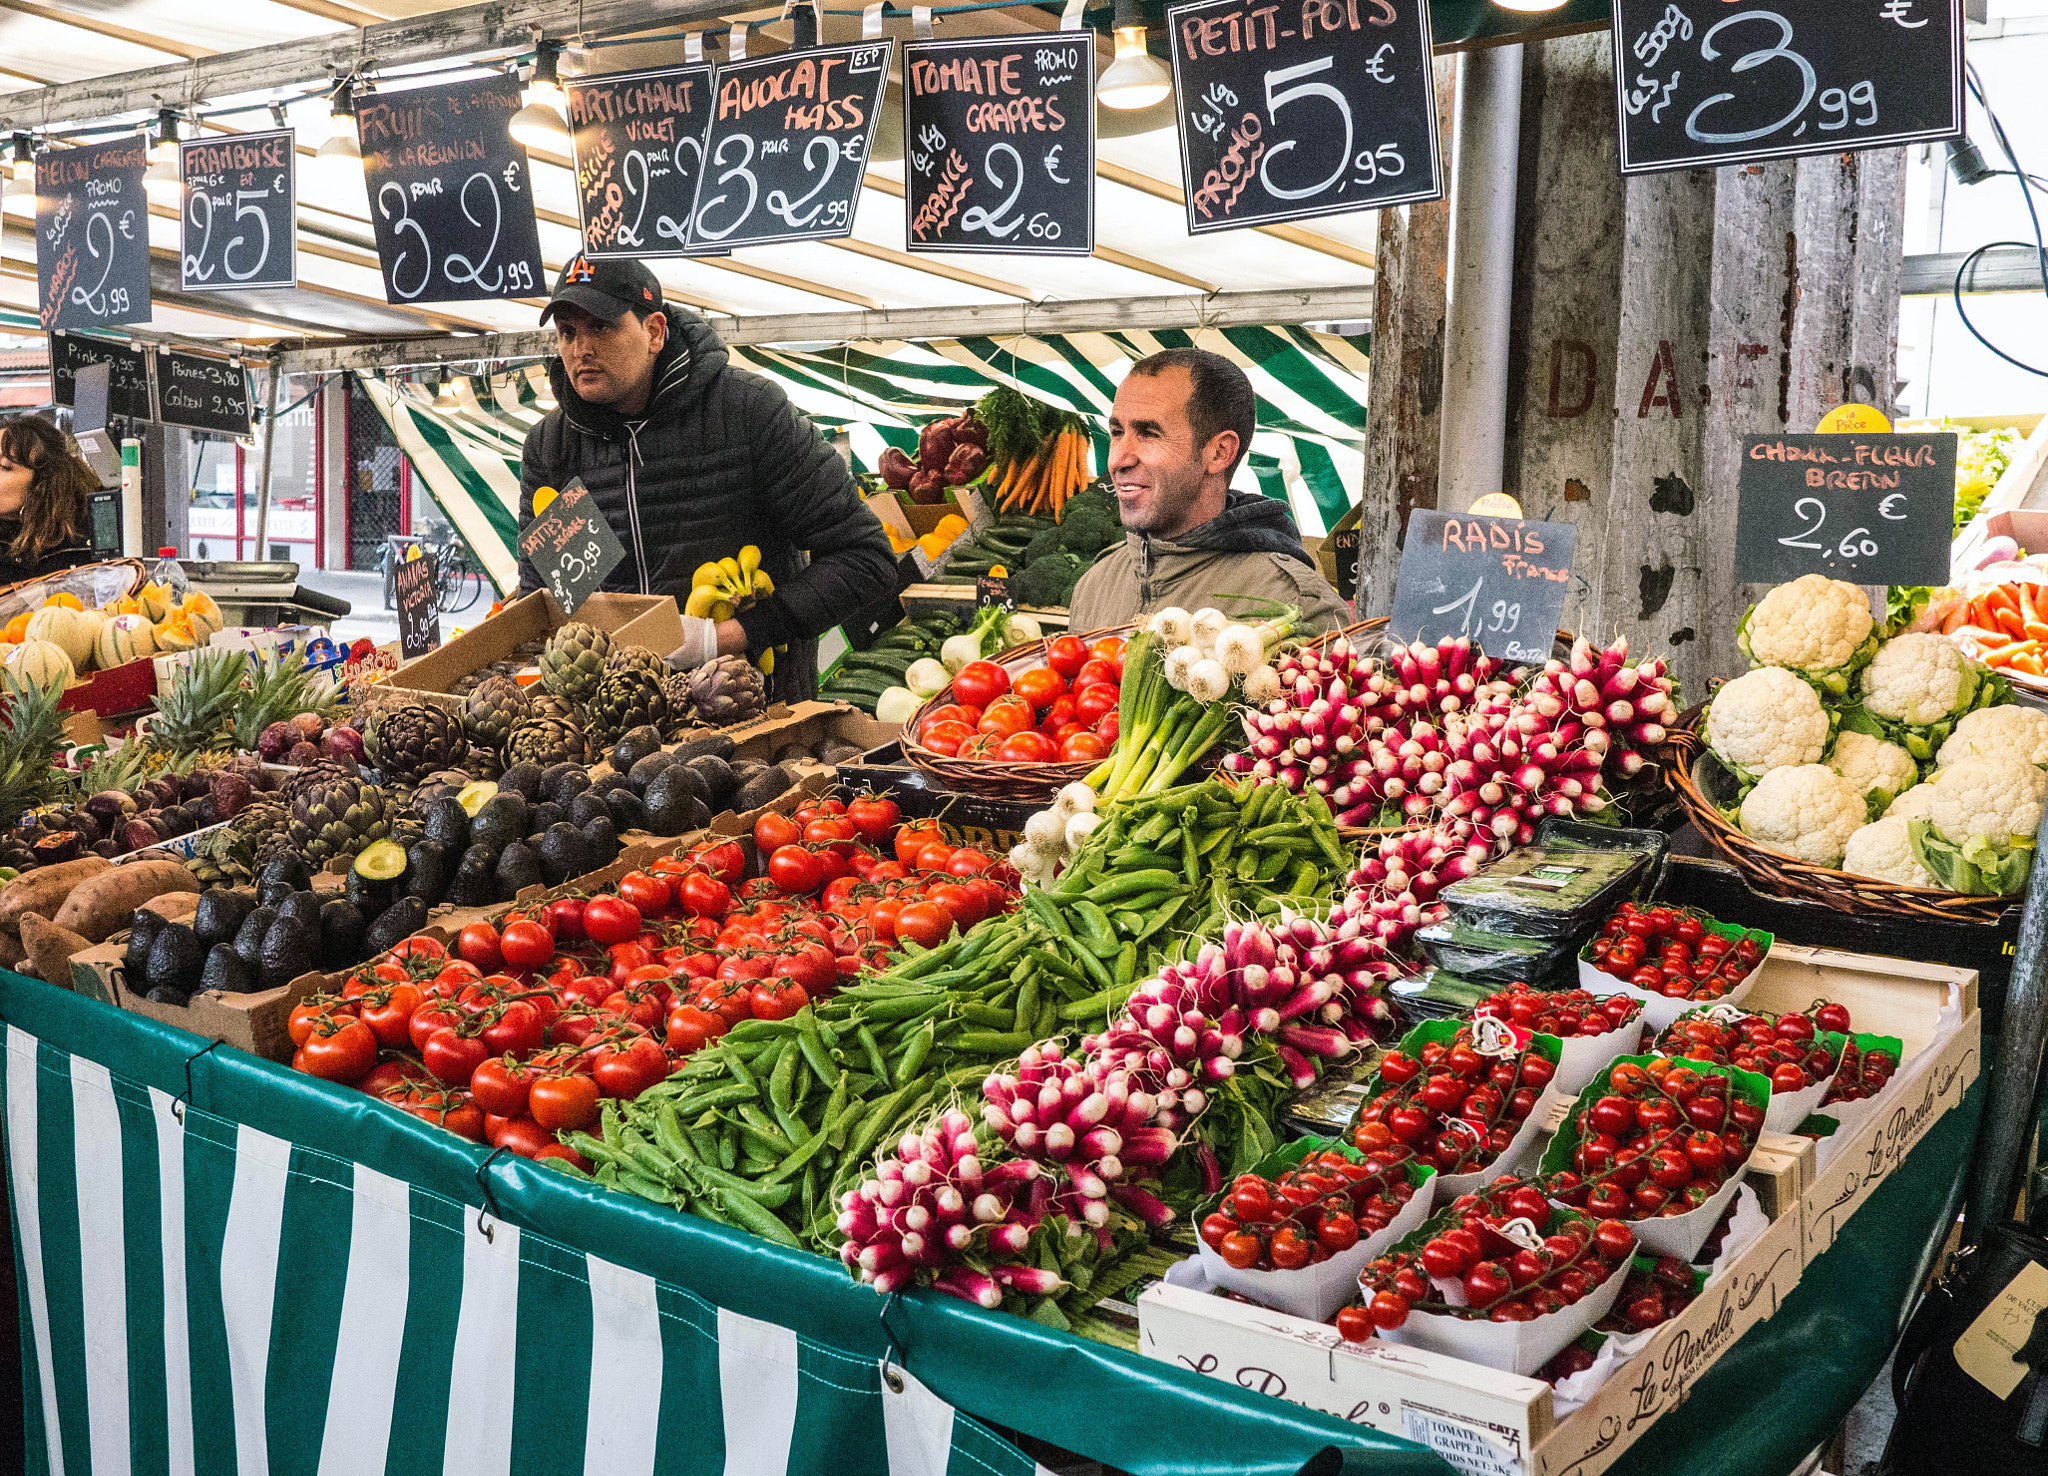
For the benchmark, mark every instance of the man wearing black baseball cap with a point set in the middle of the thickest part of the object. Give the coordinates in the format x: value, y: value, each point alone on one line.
x: 691, y: 460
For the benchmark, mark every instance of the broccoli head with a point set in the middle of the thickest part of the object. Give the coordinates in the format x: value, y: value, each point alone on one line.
x: 1087, y: 530
x: 1048, y: 581
x: 1045, y: 543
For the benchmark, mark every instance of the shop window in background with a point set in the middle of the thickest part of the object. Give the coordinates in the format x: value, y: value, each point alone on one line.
x: 227, y: 485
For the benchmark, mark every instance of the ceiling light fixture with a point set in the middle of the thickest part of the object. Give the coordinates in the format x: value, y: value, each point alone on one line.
x: 540, y: 125
x: 339, y: 162
x: 1137, y: 78
x: 163, y: 181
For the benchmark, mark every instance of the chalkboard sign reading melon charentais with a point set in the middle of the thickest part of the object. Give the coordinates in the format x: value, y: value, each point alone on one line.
x: 1290, y: 112
x: 450, y: 195
x: 571, y: 546
x: 1703, y: 82
x: 204, y: 394
x: 1501, y: 581
x: 999, y: 145
x: 92, y: 235
x: 238, y: 227
x: 129, y: 393
x: 419, y: 614
x: 789, y: 144
x: 1866, y: 509
x: 639, y: 140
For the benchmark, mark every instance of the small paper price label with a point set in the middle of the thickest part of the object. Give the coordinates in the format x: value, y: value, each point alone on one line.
x: 1492, y: 1036
x: 1989, y: 1349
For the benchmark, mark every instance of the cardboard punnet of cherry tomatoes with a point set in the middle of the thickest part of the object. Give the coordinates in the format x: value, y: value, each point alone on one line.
x: 1869, y: 1064
x: 1675, y: 1141
x: 1650, y: 951
x: 1473, y: 1260
x: 1513, y: 1069
x: 1312, y: 1289
x: 1799, y: 1058
x: 1591, y: 1029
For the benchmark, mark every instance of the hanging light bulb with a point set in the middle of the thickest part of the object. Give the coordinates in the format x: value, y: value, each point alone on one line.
x: 539, y: 125
x: 22, y: 157
x: 18, y: 197
x: 163, y: 182
x: 339, y: 163
x: 444, y: 395
x: 1137, y: 78
x: 1530, y: 7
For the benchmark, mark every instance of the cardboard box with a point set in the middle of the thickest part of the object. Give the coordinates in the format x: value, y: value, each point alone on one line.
x: 1781, y: 1167
x: 129, y: 687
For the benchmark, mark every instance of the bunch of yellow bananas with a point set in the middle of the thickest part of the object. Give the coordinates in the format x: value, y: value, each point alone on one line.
x: 723, y: 587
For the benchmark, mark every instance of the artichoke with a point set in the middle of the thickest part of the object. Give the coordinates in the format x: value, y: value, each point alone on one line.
x: 545, y: 741
x: 635, y: 658
x: 493, y: 710
x: 337, y: 819
x: 625, y: 699
x: 572, y: 662
x: 407, y: 742
x: 727, y: 691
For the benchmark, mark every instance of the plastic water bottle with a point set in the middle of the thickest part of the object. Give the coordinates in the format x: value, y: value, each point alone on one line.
x: 171, y: 574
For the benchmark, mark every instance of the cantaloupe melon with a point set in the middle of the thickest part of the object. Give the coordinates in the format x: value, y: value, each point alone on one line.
x: 124, y: 638
x: 205, y: 614
x: 156, y: 600
x: 69, y: 626
x: 125, y: 605
x: 42, y: 662
x: 176, y: 633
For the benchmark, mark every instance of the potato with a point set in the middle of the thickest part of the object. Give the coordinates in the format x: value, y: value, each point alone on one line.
x: 50, y: 948
x: 101, y: 904
x: 44, y: 889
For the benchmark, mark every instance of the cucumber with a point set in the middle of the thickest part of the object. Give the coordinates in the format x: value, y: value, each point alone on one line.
x: 890, y: 664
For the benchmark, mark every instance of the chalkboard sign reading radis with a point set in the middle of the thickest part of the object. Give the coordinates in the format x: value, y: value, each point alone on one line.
x: 999, y: 143
x: 639, y: 152
x: 569, y: 544
x: 238, y: 213
x: 1859, y: 507
x: 1500, y: 581
x: 92, y: 235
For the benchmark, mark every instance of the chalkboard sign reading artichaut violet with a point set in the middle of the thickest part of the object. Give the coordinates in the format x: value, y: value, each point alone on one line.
x: 999, y: 145
x: 1500, y: 581
x: 1703, y: 82
x: 789, y: 144
x: 203, y: 394
x: 92, y: 235
x: 129, y: 394
x: 1862, y: 508
x: 238, y: 226
x: 450, y: 195
x: 639, y: 140
x: 1303, y: 108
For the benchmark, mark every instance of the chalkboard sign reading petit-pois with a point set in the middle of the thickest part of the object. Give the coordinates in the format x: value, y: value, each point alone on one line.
x: 1303, y: 107
x: 238, y: 213
x: 202, y: 394
x: 92, y: 235
x: 999, y: 145
x: 450, y: 196
x: 789, y: 144
x: 639, y: 152
x: 1500, y: 581
x: 129, y: 394
x: 570, y: 545
x: 1705, y: 82
x: 1866, y: 509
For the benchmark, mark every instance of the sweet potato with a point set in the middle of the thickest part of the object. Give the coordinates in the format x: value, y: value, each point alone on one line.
x: 100, y: 904
x: 172, y: 907
x: 50, y: 948
x: 12, y: 954
x: 44, y: 889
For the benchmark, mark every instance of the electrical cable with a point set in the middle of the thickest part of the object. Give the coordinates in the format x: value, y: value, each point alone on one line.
x: 2027, y: 187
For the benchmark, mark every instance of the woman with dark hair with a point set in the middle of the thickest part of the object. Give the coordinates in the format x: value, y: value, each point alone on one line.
x: 43, y: 489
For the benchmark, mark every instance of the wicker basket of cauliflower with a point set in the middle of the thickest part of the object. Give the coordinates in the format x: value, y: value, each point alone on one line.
x: 1888, y: 775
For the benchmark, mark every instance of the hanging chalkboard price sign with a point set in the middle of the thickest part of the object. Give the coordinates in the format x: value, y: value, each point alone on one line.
x: 238, y: 213
x: 1500, y: 581
x: 1287, y: 113
x: 419, y: 614
x: 789, y: 144
x: 999, y: 145
x: 128, y: 387
x: 1860, y: 507
x: 639, y: 140
x: 202, y: 394
x: 92, y: 235
x: 1703, y: 83
x: 450, y: 194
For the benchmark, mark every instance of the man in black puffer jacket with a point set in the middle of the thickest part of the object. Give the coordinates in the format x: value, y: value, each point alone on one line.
x: 689, y: 460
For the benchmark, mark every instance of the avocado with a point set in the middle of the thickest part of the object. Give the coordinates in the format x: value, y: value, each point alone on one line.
x: 473, y: 884
x: 520, y: 779
x: 225, y: 971
x: 633, y: 745
x: 667, y: 802
x: 600, y: 843
x: 250, y: 935
x: 428, y: 865
x: 342, y: 925
x: 165, y: 994
x: 473, y: 794
x: 503, y: 819
x: 287, y: 867
x: 642, y: 774
x: 399, y: 921
x: 717, y: 745
x: 745, y: 771
x: 685, y: 775
x: 370, y: 895
x: 561, y: 853
x: 175, y: 958
x: 304, y: 906
x: 625, y: 809
x: 288, y: 948
x: 563, y: 782
x: 221, y: 912
x: 447, y: 824
x: 142, y: 932
x: 270, y: 893
x: 544, y: 814
x: 518, y: 867
x: 770, y: 784
x: 718, y: 779
x: 585, y: 808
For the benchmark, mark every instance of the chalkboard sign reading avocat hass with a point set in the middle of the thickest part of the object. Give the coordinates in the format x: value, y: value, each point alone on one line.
x: 1501, y: 582
x: 639, y: 151
x: 999, y: 145
x: 1703, y: 82
x: 1866, y: 509
x: 92, y: 235
x: 450, y: 195
x: 1295, y: 108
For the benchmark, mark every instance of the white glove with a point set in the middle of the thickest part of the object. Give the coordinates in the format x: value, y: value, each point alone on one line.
x: 700, y: 644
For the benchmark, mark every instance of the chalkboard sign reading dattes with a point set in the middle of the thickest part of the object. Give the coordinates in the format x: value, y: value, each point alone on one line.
x: 238, y: 230
x: 571, y: 546
x: 129, y: 392
x: 639, y: 140
x: 1866, y: 509
x: 92, y: 235
x: 1703, y: 82
x: 789, y: 144
x: 1500, y: 581
x: 419, y: 616
x: 1302, y: 108
x: 450, y: 195
x: 999, y: 145
x: 201, y: 393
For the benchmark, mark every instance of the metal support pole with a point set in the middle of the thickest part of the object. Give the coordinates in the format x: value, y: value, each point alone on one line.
x: 269, y: 456
x: 1483, y: 172
x: 2010, y: 1109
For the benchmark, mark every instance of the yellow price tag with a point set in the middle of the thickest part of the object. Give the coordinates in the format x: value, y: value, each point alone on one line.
x: 542, y: 496
x: 1853, y: 419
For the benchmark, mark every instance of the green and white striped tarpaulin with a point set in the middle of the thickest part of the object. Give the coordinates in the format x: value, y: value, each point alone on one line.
x: 1308, y: 451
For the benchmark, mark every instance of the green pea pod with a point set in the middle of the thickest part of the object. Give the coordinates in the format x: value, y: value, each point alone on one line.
x: 728, y: 1150
x: 646, y: 1188
x: 988, y: 1015
x: 668, y: 1133
x: 764, y: 1129
x: 1190, y: 858
x: 914, y: 1053
x: 795, y: 1162
x: 1307, y: 877
x: 813, y: 1047
x: 873, y: 1049
x: 750, y: 1216
x: 1126, y: 964
x: 842, y: 1127
x: 723, y: 1096
x: 1027, y: 1001
x: 770, y: 1196
x: 988, y: 1043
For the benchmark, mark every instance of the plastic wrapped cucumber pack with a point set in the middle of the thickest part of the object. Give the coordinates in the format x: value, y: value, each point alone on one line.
x: 1562, y: 886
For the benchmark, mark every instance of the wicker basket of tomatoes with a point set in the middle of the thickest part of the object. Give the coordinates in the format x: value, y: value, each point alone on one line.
x: 1025, y: 723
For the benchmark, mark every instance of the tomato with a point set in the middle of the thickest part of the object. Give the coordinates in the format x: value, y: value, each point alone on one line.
x: 778, y: 999
x: 1354, y: 1324
x: 1028, y: 747
x: 452, y: 1056
x: 499, y: 1086
x: 1110, y: 649
x: 1240, y: 1249
x: 563, y: 1102
x: 1096, y: 673
x: 944, y: 738
x: 389, y: 1013
x: 1109, y: 727
x: 1041, y: 687
x: 729, y: 999
x: 795, y: 870
x: 701, y: 894
x: 773, y: 831
x: 632, y: 1068
x: 874, y: 817
x: 882, y: 918
x: 1066, y: 655
x: 526, y: 945
x: 451, y: 1110
x: 1082, y: 747
x: 690, y: 1027
x: 1006, y: 718
x: 1092, y: 702
x: 427, y: 948
x: 964, y: 903
x: 650, y: 894
x: 610, y: 920
x: 305, y: 1018
x: 727, y: 861
x: 927, y: 924
x: 341, y: 1050
x: 979, y: 683
x: 478, y: 944
x: 1057, y: 716
x: 913, y: 837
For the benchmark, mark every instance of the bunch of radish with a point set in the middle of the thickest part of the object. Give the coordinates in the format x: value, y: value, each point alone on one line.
x: 1616, y: 708
x: 1081, y: 1118
x: 1394, y: 892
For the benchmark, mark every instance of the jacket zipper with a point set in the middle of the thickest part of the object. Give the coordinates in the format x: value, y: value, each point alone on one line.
x: 633, y: 504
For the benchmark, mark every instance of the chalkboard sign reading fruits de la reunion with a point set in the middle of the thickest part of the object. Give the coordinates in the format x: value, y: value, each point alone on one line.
x: 1500, y: 581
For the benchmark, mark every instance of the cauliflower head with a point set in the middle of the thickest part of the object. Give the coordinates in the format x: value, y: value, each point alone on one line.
x: 2011, y: 731
x: 1871, y: 763
x: 1997, y: 798
x: 1919, y: 680
x: 1883, y: 850
x: 1767, y: 719
x: 1816, y: 626
x: 1806, y: 810
x: 1913, y: 804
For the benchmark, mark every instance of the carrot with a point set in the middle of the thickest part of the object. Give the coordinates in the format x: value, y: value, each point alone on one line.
x: 1955, y: 620
x: 2027, y: 662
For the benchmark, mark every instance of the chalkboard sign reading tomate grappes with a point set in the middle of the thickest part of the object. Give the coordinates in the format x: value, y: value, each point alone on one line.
x: 1499, y: 581
x: 1863, y: 508
x: 238, y: 213
x: 450, y: 195
x: 92, y: 235
x: 639, y: 151
x: 1295, y: 108
x: 999, y: 145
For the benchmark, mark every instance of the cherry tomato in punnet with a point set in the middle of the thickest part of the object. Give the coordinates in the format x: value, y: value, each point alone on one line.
x: 979, y: 683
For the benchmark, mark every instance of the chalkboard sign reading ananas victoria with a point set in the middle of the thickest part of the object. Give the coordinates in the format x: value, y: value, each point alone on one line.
x: 1295, y: 108
x: 999, y: 145
x: 92, y: 235
x: 639, y: 140
x: 1863, y: 508
x: 238, y: 227
x: 1499, y: 581
x: 419, y: 615
x: 450, y: 195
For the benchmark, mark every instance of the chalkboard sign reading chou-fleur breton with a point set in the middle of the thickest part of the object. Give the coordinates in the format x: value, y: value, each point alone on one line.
x: 92, y: 235
x: 1499, y: 581
x: 999, y: 145
x: 639, y: 140
x: 450, y: 195
x: 238, y: 227
x: 1297, y: 108
x: 1859, y: 507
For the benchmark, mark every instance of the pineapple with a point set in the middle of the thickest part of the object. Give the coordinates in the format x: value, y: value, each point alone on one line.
x: 31, y: 731
x: 197, y: 714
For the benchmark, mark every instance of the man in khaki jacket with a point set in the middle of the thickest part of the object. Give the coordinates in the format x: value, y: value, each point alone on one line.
x: 1181, y: 422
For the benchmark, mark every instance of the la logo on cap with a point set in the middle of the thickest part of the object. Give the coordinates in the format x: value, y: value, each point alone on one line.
x: 579, y: 271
